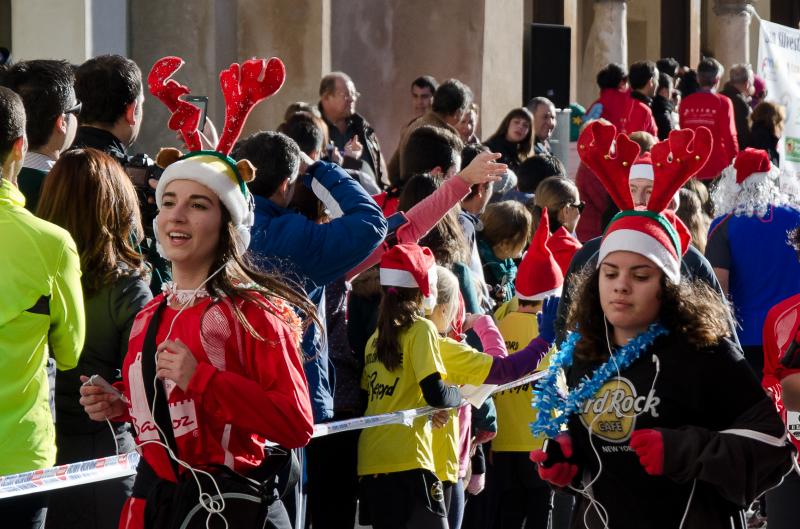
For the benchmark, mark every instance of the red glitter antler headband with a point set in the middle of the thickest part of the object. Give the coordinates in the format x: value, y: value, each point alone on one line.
x: 243, y: 87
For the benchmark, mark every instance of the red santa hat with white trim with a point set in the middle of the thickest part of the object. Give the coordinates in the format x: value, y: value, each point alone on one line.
x: 646, y: 232
x: 410, y: 265
x: 539, y: 275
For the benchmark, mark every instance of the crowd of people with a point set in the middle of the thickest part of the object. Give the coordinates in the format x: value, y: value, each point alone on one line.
x: 209, y: 307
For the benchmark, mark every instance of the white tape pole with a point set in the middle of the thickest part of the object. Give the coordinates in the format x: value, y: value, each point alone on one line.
x: 124, y: 465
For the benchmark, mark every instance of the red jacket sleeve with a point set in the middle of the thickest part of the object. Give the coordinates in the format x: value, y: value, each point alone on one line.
x: 728, y: 129
x: 271, y: 396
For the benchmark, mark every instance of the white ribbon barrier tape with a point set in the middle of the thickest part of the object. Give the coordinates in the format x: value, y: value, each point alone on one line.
x: 125, y: 464
x: 69, y: 475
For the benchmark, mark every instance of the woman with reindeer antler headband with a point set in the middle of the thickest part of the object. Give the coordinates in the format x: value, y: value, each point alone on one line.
x: 664, y: 424
x: 213, y: 366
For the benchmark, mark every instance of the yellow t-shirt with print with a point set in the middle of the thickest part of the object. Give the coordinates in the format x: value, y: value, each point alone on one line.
x: 396, y: 447
x: 465, y: 365
x: 514, y: 411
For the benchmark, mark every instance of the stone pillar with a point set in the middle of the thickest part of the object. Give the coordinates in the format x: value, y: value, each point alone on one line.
x: 69, y: 29
x: 571, y: 20
x: 607, y: 42
x: 731, y: 43
x: 299, y: 33
x: 203, y: 33
x: 384, y: 50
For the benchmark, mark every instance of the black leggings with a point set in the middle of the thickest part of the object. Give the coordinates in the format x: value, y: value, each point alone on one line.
x: 24, y: 512
x: 413, y: 499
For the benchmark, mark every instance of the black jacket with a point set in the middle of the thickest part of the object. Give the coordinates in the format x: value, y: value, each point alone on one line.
x: 694, y: 398
x: 741, y: 113
x: 664, y: 114
x: 358, y: 126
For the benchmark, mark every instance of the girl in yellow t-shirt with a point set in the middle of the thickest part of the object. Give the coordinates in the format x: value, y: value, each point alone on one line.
x: 466, y: 365
x: 403, y: 369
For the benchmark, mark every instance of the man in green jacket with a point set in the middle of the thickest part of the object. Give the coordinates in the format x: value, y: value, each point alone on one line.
x: 41, y: 307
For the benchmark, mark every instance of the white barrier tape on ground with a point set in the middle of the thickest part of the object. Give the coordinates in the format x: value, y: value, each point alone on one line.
x: 124, y: 465
x: 69, y: 475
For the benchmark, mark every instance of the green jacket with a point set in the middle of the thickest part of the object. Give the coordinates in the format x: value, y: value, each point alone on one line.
x: 41, y: 303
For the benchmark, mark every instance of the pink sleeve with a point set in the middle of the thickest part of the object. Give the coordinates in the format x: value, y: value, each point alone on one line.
x: 421, y: 218
x: 430, y: 210
x: 491, y: 339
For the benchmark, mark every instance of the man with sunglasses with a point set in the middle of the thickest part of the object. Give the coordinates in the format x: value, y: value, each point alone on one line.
x: 48, y: 94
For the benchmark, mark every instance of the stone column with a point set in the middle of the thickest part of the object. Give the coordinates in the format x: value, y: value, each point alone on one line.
x: 69, y: 29
x: 203, y: 33
x: 476, y: 41
x: 731, y: 43
x: 299, y: 33
x: 607, y: 42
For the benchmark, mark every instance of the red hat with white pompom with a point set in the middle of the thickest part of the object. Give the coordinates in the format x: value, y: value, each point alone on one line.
x: 539, y: 275
x: 410, y: 265
x: 673, y: 161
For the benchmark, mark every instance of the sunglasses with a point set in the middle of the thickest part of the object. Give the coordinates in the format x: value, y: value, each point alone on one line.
x: 74, y: 109
x: 579, y: 206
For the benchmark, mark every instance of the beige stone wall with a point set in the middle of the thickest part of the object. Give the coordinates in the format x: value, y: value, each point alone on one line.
x: 644, y: 30
x: 393, y: 42
x: 297, y: 31
x: 43, y: 29
x: 203, y: 33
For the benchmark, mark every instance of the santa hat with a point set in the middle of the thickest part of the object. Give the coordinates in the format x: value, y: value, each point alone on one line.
x: 409, y: 265
x: 751, y: 184
x: 643, y: 168
x: 539, y: 275
x: 243, y: 86
x: 674, y: 161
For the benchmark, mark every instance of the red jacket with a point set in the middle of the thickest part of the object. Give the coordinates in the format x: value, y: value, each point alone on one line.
x: 624, y: 112
x: 779, y: 328
x: 243, y: 391
x: 714, y: 111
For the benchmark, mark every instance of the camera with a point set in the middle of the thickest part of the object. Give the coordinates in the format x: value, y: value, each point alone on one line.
x: 142, y: 169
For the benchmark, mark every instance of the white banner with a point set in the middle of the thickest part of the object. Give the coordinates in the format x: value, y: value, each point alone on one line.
x: 779, y: 65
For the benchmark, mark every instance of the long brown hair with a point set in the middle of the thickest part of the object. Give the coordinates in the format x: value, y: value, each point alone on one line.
x: 399, y: 308
x: 554, y: 193
x: 88, y: 194
x: 241, y: 278
x: 446, y: 239
x: 690, y: 309
x: 525, y: 147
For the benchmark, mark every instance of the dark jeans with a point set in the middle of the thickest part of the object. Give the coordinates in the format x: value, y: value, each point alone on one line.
x: 522, y: 496
x: 332, y: 480
x: 412, y: 499
x: 24, y: 512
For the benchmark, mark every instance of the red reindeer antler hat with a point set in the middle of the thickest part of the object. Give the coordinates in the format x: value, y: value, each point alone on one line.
x: 243, y: 87
x: 651, y: 232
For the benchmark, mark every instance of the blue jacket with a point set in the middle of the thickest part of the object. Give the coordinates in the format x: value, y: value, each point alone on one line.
x: 317, y: 254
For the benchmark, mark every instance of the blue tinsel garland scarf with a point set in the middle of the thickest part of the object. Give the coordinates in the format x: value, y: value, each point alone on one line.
x: 545, y: 394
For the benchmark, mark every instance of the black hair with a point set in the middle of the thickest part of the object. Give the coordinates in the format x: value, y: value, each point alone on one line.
x: 106, y: 85
x: 427, y: 148
x: 669, y: 66
x: 47, y: 91
x: 451, y: 97
x: 664, y: 81
x: 12, y: 121
x: 535, y: 169
x: 468, y: 153
x: 275, y: 156
x: 688, y: 83
x: 303, y: 129
x: 640, y: 73
x: 426, y: 81
x: 611, y: 76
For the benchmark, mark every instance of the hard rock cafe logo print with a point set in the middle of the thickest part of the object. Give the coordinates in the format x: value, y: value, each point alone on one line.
x: 611, y: 414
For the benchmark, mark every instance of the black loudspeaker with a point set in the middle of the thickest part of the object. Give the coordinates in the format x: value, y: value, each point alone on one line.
x: 548, y: 62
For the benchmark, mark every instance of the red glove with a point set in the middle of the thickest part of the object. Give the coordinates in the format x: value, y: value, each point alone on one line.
x: 649, y: 446
x: 559, y: 474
